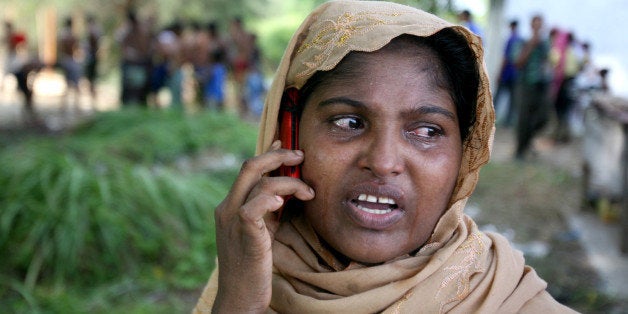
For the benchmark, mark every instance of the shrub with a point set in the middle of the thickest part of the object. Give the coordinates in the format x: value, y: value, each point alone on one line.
x: 107, y: 200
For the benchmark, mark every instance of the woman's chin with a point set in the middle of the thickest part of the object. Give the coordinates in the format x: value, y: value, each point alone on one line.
x: 372, y: 253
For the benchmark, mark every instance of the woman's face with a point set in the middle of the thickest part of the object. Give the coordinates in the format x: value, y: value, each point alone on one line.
x: 382, y: 151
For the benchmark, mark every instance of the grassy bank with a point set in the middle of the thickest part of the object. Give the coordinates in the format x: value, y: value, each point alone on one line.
x: 116, y: 214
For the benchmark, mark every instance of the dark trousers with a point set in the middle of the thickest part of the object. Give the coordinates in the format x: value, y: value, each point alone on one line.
x: 136, y: 82
x: 533, y: 113
x: 506, y: 88
x: 563, y: 106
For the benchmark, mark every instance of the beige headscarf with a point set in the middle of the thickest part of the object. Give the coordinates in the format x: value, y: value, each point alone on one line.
x: 459, y: 269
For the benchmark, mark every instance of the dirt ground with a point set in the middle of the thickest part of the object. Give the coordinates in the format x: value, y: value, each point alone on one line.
x: 530, y: 203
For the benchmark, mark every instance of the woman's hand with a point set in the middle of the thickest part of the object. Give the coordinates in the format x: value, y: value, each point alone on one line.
x: 244, y: 231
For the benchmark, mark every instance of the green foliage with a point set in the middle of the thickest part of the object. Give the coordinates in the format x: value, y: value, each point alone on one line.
x: 110, y: 200
x: 274, y: 36
x: 159, y: 136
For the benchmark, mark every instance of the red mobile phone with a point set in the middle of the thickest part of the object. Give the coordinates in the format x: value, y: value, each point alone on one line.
x: 289, y: 128
x: 289, y: 135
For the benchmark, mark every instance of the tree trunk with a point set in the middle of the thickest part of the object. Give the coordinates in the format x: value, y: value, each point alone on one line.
x: 494, y: 39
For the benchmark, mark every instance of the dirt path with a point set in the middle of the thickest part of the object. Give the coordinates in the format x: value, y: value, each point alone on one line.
x: 537, y: 205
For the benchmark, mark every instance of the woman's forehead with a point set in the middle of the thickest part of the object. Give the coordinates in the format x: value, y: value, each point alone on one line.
x: 405, y: 46
x: 388, y: 77
x: 408, y: 60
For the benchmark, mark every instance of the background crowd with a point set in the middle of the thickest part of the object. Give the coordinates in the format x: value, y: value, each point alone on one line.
x: 548, y: 76
x: 153, y: 59
x: 195, y: 62
x: 548, y: 85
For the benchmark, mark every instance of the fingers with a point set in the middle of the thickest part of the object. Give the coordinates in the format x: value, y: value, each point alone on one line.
x: 252, y: 212
x: 254, y: 169
x: 282, y: 186
x: 263, y: 198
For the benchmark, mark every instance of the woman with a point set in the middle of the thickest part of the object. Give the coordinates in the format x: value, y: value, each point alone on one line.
x: 395, y: 122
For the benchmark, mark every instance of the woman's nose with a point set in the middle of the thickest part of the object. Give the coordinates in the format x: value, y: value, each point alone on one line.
x: 383, y: 154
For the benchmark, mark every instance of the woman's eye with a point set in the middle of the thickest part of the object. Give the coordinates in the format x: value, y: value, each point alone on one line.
x: 426, y: 132
x: 349, y: 123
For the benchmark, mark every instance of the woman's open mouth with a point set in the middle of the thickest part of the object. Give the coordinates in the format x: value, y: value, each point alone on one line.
x: 374, y: 212
x: 378, y: 205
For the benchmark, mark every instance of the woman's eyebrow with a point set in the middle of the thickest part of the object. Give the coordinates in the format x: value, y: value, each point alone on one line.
x: 341, y: 100
x: 424, y: 109
x: 430, y: 109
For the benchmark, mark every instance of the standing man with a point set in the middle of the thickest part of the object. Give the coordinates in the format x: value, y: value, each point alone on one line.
x: 7, y: 44
x: 567, y: 65
x: 508, y: 78
x: 240, y: 52
x: 135, y: 44
x: 68, y: 46
x: 21, y: 64
x: 532, y: 57
x: 94, y: 33
x: 466, y: 19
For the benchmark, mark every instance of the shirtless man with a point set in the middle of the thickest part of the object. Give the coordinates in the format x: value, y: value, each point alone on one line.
x: 68, y: 45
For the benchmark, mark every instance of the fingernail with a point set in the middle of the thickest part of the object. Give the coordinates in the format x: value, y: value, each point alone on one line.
x: 298, y: 152
x: 279, y: 199
x: 276, y: 144
x: 312, y: 191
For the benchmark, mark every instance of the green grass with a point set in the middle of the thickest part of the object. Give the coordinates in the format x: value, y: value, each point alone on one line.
x: 101, y: 219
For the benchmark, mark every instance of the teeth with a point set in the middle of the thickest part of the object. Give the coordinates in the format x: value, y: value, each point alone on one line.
x: 375, y: 211
x: 375, y: 199
x: 386, y: 200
